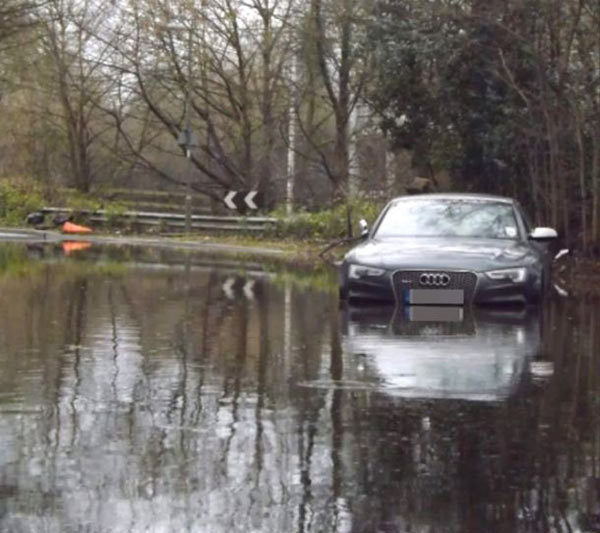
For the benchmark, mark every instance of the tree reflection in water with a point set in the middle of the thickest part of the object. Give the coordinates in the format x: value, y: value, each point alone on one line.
x: 146, y: 399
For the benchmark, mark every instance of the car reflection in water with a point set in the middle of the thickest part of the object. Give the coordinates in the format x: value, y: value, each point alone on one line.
x: 443, y: 352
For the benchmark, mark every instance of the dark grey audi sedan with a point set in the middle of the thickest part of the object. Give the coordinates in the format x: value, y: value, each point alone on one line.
x: 450, y: 249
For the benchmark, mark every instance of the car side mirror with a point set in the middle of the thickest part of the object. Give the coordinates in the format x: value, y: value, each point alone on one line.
x: 364, y: 228
x: 543, y: 234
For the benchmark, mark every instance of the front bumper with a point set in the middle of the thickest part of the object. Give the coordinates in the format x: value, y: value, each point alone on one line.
x: 478, y: 288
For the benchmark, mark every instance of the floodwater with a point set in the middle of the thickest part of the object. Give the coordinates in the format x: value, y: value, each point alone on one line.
x: 146, y: 391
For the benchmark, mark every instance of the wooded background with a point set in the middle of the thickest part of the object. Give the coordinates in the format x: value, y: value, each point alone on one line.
x: 311, y: 101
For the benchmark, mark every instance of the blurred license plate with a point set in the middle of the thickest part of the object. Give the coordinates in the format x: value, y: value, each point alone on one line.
x: 435, y: 314
x: 435, y: 297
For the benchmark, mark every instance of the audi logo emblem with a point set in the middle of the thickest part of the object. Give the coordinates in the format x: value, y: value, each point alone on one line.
x: 434, y: 279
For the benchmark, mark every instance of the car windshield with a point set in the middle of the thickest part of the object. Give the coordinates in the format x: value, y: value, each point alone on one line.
x: 449, y: 218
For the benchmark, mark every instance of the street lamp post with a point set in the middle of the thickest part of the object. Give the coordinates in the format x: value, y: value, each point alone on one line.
x: 188, y: 147
x: 185, y: 138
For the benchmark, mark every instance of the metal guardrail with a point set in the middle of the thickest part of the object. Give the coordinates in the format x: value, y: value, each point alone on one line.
x: 171, y: 220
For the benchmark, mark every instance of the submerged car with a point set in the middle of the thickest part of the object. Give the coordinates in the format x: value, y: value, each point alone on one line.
x: 450, y: 249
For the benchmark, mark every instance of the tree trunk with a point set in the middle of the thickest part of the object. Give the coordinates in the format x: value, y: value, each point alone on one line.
x: 581, y: 169
x: 596, y: 187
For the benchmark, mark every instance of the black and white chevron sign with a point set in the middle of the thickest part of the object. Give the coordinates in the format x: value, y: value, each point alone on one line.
x: 235, y: 287
x: 243, y: 200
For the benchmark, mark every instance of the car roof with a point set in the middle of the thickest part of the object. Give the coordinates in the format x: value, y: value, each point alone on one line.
x: 455, y: 196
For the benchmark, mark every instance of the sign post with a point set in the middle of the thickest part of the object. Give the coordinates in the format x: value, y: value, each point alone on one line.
x: 185, y: 140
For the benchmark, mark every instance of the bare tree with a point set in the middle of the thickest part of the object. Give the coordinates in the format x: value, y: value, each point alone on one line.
x: 77, y: 78
x: 215, y: 68
x: 17, y: 16
x: 334, y: 40
x: 562, y: 124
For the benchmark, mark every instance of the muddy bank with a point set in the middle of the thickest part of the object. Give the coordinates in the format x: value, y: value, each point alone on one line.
x: 579, y: 276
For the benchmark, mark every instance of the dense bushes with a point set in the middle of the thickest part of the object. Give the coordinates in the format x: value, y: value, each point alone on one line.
x: 17, y: 199
x: 327, y: 224
x: 503, y: 95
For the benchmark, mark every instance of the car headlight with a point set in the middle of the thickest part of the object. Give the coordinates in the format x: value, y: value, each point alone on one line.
x: 359, y: 272
x: 516, y: 275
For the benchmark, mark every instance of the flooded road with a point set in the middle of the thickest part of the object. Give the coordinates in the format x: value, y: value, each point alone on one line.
x: 146, y: 391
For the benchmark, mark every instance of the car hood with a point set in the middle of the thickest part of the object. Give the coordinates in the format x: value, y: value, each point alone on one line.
x: 451, y: 253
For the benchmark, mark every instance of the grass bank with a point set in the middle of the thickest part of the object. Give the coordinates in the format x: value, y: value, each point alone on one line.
x: 303, y: 234
x: 301, y: 237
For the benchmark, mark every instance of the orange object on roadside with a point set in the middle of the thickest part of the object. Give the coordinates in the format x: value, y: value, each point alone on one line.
x: 75, y: 246
x: 69, y: 227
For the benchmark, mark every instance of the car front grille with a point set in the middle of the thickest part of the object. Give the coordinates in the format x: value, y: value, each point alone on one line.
x: 409, y: 279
